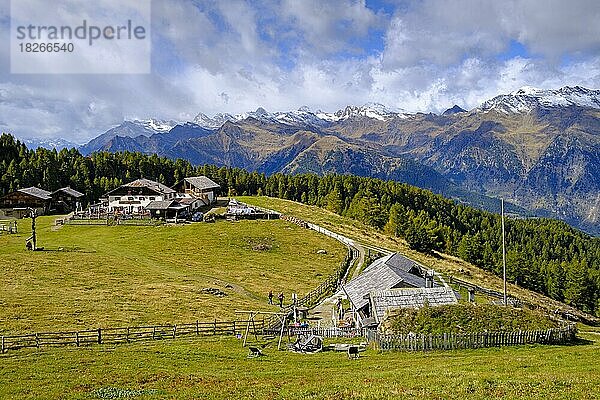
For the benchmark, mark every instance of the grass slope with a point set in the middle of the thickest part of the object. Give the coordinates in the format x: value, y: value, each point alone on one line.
x: 464, y: 318
x: 217, y: 368
x: 443, y: 263
x: 126, y: 275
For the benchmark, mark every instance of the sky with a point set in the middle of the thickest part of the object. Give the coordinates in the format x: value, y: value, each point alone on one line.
x: 235, y: 56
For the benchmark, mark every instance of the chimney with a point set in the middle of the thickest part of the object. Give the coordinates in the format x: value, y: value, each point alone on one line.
x: 429, y: 278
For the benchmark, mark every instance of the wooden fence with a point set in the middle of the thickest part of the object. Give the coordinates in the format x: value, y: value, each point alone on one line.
x: 127, y: 334
x: 326, y: 332
x: 565, y: 312
x: 110, y: 221
x: 451, y: 341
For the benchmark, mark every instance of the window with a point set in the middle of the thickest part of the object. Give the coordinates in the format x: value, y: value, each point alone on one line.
x: 142, y: 198
x: 130, y: 198
x: 117, y: 198
x: 152, y: 198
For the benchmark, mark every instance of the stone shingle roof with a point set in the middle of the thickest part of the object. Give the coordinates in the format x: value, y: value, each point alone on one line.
x: 159, y: 205
x: 384, y: 273
x: 202, y: 182
x: 156, y: 186
x: 37, y: 192
x: 384, y: 300
x: 68, y: 190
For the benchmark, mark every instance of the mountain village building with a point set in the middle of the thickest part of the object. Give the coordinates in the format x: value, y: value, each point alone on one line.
x: 65, y: 200
x: 15, y: 204
x: 198, y: 187
x: 134, y: 197
x: 391, y: 282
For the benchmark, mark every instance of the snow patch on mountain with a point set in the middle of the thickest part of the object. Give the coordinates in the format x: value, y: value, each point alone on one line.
x: 528, y: 98
x: 155, y: 125
x: 55, y: 143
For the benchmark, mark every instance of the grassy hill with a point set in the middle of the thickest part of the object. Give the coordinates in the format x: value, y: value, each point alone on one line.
x: 125, y: 275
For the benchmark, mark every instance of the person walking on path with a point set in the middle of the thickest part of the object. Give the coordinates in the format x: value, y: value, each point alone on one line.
x: 270, y: 297
x: 280, y: 297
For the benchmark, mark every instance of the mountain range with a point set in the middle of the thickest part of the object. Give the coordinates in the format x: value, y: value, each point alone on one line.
x: 538, y: 149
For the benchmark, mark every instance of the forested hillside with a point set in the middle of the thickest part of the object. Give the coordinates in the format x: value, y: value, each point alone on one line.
x: 544, y: 255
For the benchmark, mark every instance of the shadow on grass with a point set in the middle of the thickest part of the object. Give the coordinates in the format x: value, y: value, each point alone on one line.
x: 65, y: 250
x: 579, y: 341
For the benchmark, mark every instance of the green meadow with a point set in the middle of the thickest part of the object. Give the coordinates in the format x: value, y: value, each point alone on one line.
x: 217, y: 368
x: 100, y: 276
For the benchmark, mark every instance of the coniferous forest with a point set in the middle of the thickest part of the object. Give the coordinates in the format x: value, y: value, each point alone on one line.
x: 543, y: 255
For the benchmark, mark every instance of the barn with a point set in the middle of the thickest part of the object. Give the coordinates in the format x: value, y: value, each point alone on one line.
x: 14, y: 204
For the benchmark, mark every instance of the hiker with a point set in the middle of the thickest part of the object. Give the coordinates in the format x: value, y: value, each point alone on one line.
x: 280, y: 297
x: 270, y: 297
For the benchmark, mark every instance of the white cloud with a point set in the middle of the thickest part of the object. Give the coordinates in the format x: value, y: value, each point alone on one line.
x: 279, y: 54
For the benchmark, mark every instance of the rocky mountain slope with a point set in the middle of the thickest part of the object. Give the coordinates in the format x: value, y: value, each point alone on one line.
x: 539, y: 149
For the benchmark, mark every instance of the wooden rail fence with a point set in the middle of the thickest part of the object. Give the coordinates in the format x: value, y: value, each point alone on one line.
x: 127, y: 334
x: 480, y: 289
x: 452, y: 341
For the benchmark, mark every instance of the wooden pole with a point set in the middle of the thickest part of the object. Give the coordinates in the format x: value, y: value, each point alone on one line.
x: 281, y: 332
x: 250, y: 317
x: 503, y: 252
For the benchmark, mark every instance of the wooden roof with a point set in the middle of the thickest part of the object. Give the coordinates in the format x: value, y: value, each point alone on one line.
x: 202, y: 182
x: 159, y: 205
x: 384, y: 300
x: 143, y: 183
x: 384, y: 273
x: 37, y: 192
x: 69, y: 191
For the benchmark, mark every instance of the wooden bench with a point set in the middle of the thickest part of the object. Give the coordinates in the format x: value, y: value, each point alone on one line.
x: 254, y: 352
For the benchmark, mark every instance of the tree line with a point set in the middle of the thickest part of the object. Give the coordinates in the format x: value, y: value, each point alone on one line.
x: 543, y: 255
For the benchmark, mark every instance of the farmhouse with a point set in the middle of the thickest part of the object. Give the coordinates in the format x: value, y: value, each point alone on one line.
x: 65, y: 200
x: 135, y: 196
x: 198, y: 187
x: 390, y: 272
x: 33, y: 197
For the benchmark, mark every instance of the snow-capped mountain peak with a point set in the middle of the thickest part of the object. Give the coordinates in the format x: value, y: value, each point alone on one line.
x: 155, y: 125
x: 528, y: 98
x: 304, y: 115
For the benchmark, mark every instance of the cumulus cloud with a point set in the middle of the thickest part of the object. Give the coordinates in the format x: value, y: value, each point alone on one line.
x: 209, y: 57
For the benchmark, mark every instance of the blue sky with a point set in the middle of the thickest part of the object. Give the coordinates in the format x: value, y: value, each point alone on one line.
x: 234, y: 56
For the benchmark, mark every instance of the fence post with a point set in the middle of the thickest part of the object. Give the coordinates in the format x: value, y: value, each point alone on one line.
x: 99, y: 335
x: 127, y: 337
x: 77, y: 338
x: 197, y: 327
x: 174, y: 330
x: 215, y: 327
x: 153, y: 332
